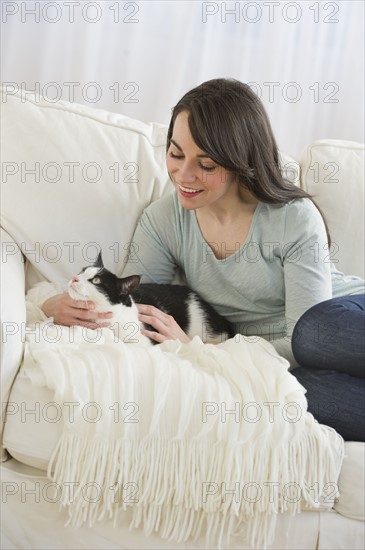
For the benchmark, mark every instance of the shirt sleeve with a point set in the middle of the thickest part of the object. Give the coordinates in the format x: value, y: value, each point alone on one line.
x: 152, y: 252
x: 307, y: 268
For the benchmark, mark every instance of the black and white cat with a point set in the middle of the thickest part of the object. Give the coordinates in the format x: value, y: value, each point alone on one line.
x: 120, y: 295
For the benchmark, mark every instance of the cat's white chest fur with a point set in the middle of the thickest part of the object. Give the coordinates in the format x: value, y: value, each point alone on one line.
x: 126, y: 326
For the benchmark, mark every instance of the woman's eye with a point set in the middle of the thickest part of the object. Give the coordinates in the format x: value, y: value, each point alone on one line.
x: 208, y: 168
x: 96, y: 280
x: 174, y: 156
x: 202, y: 166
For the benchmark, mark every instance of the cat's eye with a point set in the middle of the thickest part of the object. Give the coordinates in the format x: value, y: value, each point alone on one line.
x: 96, y: 280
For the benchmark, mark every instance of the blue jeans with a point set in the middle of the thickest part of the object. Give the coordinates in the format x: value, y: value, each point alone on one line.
x: 328, y: 342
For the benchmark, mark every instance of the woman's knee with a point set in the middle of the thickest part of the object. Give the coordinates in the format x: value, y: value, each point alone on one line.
x: 327, y: 327
x: 309, y: 329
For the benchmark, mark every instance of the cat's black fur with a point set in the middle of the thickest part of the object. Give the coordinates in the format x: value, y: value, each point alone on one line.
x: 171, y: 299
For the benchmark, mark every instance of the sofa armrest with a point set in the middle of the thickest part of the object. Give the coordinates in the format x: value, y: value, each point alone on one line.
x: 13, y: 318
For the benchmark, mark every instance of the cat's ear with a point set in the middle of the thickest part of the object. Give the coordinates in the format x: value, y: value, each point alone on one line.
x: 128, y: 284
x: 99, y: 261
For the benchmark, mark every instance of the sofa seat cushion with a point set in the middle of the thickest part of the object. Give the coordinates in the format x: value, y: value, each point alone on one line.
x: 351, y: 482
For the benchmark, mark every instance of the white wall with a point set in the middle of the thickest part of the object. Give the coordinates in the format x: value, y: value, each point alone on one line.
x: 305, y: 58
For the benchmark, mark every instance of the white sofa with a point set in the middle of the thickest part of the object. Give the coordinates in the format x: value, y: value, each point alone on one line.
x: 75, y: 178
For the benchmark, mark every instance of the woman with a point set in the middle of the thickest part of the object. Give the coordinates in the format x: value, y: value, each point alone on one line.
x: 247, y: 241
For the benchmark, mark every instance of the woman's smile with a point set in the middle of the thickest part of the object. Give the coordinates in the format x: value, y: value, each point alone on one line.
x: 188, y: 192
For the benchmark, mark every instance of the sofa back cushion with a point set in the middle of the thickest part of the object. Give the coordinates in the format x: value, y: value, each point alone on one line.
x: 332, y: 171
x: 76, y: 179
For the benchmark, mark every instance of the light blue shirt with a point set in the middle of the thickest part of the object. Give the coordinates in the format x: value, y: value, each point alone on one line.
x: 280, y: 271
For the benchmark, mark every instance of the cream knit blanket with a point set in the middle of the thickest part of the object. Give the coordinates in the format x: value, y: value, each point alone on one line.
x: 189, y: 439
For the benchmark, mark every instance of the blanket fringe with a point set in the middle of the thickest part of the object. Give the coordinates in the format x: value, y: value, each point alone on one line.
x: 182, y: 489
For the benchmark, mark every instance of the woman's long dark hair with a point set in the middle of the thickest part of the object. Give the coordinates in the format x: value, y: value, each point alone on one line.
x: 229, y: 122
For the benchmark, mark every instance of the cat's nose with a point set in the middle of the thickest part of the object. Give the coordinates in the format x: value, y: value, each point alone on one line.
x: 74, y: 280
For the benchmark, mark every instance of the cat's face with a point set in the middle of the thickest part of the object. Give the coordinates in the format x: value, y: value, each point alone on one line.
x: 87, y: 284
x: 97, y: 284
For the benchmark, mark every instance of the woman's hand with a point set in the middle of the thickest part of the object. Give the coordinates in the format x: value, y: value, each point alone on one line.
x: 69, y: 312
x: 165, y: 325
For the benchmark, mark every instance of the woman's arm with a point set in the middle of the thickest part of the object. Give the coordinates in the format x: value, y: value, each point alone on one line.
x: 154, y: 247
x: 153, y: 255
x: 307, y: 268
x: 166, y: 328
x: 47, y: 300
x: 69, y: 312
